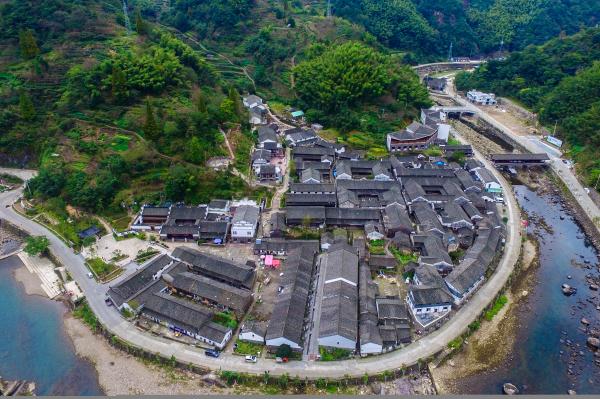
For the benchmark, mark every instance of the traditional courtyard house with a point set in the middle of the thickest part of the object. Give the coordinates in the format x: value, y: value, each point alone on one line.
x: 213, y: 231
x: 216, y: 268
x: 338, y: 318
x: 296, y: 136
x: 266, y: 135
x: 186, y: 318
x: 260, y: 157
x: 252, y: 101
x: 268, y: 173
x: 369, y: 337
x: 151, y: 217
x: 121, y: 293
x: 415, y: 137
x: 287, y: 319
x: 310, y: 176
x: 210, y: 292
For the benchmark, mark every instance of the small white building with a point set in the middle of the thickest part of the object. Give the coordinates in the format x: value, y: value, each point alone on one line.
x: 252, y: 331
x: 244, y: 223
x: 481, y: 98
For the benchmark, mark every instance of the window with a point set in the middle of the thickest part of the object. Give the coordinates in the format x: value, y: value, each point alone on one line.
x: 248, y: 233
x: 428, y: 309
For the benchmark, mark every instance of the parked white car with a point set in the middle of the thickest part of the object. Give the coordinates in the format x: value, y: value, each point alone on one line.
x: 251, y: 359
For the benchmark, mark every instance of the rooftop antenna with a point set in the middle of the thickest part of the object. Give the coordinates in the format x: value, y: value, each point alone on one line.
x: 328, y: 8
x: 450, y: 52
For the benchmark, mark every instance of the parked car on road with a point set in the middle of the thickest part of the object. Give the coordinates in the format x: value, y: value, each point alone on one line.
x: 251, y: 359
x: 212, y: 353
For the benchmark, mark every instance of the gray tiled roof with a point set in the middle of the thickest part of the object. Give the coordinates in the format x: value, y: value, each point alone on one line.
x: 246, y: 213
x: 287, y: 318
x: 126, y: 289
x: 216, y: 291
x: 340, y: 263
x: 339, y: 311
x: 211, y: 265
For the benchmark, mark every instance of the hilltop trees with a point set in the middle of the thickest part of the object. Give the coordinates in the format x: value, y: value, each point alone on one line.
x: 340, y: 83
x: 28, y: 44
x: 343, y: 76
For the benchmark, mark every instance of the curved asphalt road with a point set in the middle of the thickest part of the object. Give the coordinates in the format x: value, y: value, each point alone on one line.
x: 421, y: 349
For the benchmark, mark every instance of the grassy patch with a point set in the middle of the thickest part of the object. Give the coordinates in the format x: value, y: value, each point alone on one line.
x: 332, y: 354
x: 101, y: 268
x: 455, y: 343
x: 329, y: 134
x: 376, y: 247
x: 143, y: 256
x: 120, y: 143
x: 303, y: 233
x: 226, y: 319
x: 121, y: 224
x: 247, y: 348
x: 10, y: 179
x: 85, y: 313
x: 499, y: 304
x: 402, y: 257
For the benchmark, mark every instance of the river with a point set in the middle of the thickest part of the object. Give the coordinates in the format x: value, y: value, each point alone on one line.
x: 33, y: 343
x: 548, y: 319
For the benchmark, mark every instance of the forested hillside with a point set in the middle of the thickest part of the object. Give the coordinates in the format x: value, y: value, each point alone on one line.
x: 427, y: 27
x: 119, y: 107
x: 560, y: 80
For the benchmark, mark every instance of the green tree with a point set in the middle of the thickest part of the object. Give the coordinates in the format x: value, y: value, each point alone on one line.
x: 195, y: 151
x: 36, y: 245
x: 343, y: 76
x: 28, y: 44
x: 141, y: 27
x: 151, y: 128
x: 201, y: 102
x: 119, y: 90
x: 235, y: 98
x: 26, y: 108
x: 227, y: 111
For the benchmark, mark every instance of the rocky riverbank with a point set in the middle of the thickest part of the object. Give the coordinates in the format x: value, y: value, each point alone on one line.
x: 490, y: 345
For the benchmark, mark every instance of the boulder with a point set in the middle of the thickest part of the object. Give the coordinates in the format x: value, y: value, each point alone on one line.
x: 593, y: 342
x: 594, y: 287
x: 376, y: 388
x: 571, y: 392
x: 585, y: 322
x: 510, y: 389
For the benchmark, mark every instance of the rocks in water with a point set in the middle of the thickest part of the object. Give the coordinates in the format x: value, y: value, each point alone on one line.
x: 594, y: 287
x: 593, y: 342
x: 571, y: 392
x: 585, y: 321
x: 510, y: 389
x: 568, y: 290
x: 569, y: 277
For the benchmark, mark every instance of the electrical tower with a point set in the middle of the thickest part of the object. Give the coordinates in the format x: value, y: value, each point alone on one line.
x: 328, y: 8
x: 450, y: 52
x: 501, y: 46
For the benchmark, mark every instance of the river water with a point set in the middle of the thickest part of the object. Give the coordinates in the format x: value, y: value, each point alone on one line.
x: 33, y: 343
x: 548, y: 318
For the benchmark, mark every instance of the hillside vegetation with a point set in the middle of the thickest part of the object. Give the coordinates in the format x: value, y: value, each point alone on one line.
x: 560, y: 81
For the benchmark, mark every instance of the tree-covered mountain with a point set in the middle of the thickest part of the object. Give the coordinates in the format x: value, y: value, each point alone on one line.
x: 427, y: 27
x: 560, y: 80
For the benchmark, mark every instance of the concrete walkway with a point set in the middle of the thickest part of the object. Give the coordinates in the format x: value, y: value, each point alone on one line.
x: 44, y: 269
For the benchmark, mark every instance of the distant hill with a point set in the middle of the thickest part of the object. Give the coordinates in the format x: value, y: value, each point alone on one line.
x: 560, y: 80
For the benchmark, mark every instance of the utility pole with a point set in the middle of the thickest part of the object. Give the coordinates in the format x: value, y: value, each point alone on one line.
x: 450, y: 52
